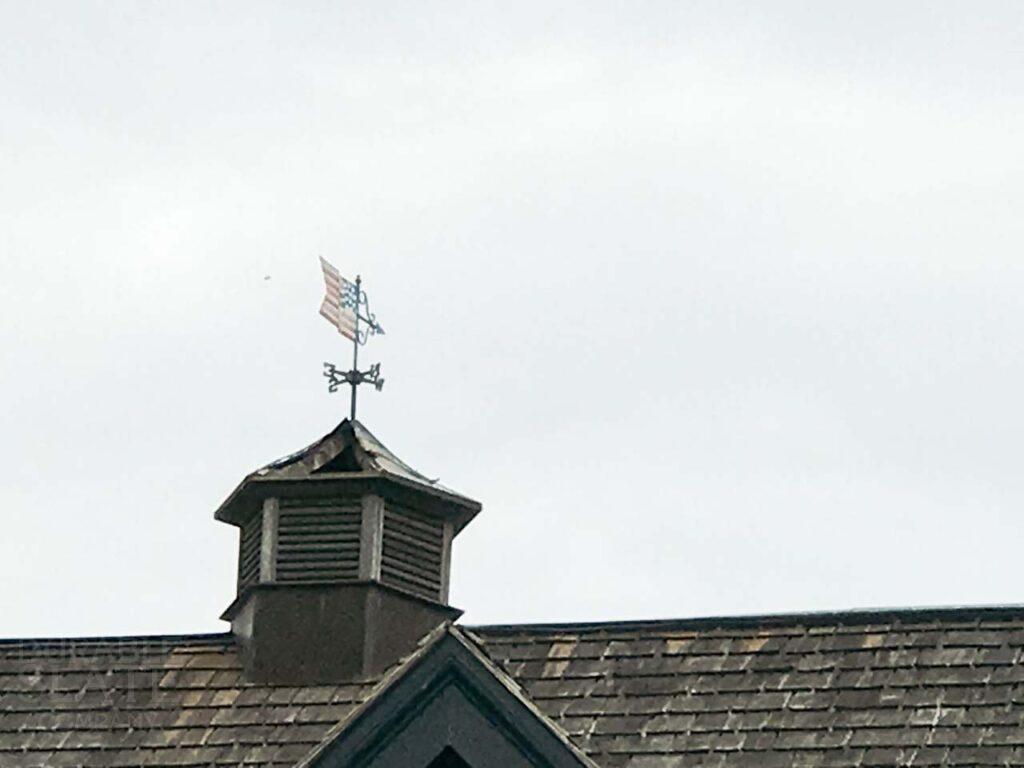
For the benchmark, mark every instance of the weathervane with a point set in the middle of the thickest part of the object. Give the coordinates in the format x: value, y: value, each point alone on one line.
x: 345, y: 306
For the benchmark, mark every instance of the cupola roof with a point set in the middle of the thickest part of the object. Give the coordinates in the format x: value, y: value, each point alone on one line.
x: 348, y: 452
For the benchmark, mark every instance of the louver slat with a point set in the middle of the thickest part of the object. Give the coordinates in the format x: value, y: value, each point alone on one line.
x: 413, y: 550
x: 249, y: 551
x: 397, y: 571
x: 410, y: 549
x: 319, y: 543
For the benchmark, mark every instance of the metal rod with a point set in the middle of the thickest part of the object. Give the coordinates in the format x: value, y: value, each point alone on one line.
x: 355, y: 349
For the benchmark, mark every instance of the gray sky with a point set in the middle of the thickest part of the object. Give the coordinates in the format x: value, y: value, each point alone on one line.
x: 716, y: 308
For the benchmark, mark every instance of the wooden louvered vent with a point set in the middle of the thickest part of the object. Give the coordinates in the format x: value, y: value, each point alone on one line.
x: 412, y: 552
x: 318, y: 541
x: 249, y: 551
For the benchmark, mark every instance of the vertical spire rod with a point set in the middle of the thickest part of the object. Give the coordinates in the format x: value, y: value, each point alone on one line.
x: 355, y: 349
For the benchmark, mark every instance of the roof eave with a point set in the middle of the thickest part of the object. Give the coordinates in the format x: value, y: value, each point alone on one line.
x: 254, y: 488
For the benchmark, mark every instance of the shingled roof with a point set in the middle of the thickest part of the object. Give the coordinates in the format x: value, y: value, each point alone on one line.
x: 918, y: 688
x: 154, y: 701
x: 921, y: 688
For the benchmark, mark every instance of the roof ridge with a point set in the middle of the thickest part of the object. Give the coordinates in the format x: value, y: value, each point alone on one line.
x: 198, y: 637
x: 852, y: 616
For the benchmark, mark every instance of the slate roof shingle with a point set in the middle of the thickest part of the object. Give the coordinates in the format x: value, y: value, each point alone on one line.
x: 921, y: 688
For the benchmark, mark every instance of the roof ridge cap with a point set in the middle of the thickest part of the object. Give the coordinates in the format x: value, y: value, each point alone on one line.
x: 853, y: 616
x: 180, y: 637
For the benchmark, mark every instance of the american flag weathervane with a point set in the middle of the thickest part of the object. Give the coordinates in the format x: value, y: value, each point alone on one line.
x: 346, y: 307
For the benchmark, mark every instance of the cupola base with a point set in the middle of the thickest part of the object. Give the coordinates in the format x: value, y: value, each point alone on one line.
x: 318, y: 633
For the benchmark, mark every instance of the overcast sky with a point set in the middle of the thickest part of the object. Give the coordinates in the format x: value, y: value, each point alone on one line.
x: 716, y: 307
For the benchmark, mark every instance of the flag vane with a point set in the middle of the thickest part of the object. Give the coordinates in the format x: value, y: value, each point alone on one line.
x: 347, y: 308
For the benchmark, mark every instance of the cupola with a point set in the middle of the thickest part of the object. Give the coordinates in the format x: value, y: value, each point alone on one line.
x: 343, y: 560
